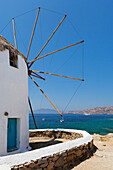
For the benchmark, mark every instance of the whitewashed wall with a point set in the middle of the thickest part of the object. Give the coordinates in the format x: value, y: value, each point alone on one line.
x: 14, y: 100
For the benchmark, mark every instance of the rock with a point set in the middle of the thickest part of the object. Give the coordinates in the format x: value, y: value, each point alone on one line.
x: 42, y: 161
x: 65, y: 167
x: 64, y: 154
x: 37, y: 168
x: 32, y: 165
x: 69, y: 158
x: 91, y: 145
x: 59, y: 162
x: 15, y: 168
x: 27, y: 164
x: 55, y: 157
x: 36, y: 161
x: 50, y: 166
x: 72, y: 152
x: 21, y: 166
x: 78, y: 153
x: 44, y: 165
x: 24, y: 168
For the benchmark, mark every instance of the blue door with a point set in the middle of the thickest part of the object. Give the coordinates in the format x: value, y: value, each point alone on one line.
x: 12, y: 134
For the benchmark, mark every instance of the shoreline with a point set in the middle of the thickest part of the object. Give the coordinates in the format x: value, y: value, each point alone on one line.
x: 76, y: 113
x: 90, y: 113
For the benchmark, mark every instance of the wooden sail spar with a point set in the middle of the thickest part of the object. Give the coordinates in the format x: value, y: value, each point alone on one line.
x: 45, y: 95
x: 55, y: 52
x: 33, y: 33
x: 57, y: 75
x: 14, y: 32
x: 30, y: 72
x: 48, y: 39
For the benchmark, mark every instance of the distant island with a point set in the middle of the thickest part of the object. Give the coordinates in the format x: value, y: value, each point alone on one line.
x: 97, y: 110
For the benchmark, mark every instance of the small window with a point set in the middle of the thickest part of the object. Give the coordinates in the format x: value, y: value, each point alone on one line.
x: 13, y: 58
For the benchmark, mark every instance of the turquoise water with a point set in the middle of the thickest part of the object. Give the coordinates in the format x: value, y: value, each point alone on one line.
x: 100, y: 124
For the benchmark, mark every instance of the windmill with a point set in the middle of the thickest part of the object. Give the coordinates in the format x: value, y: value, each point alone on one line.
x: 35, y: 73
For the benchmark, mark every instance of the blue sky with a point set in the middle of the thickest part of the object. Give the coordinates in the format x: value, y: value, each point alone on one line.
x: 94, y: 22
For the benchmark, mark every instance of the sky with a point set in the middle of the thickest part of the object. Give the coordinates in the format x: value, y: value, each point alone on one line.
x: 91, y: 21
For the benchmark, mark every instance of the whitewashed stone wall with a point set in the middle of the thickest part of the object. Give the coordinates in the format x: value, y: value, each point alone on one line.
x: 55, y: 157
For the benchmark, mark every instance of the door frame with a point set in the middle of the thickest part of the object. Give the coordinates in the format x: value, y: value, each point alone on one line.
x: 17, y: 134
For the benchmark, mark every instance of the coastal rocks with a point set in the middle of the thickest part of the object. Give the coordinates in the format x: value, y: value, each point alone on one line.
x: 97, y: 110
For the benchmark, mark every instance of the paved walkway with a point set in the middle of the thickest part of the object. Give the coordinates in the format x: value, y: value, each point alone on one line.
x: 103, y: 157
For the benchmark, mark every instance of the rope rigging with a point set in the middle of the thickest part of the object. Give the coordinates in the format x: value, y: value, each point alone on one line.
x: 74, y: 28
x: 62, y: 120
x: 72, y: 97
x: 5, y: 26
x: 68, y: 59
x: 22, y: 14
x: 21, y: 38
x: 50, y: 63
x: 83, y: 61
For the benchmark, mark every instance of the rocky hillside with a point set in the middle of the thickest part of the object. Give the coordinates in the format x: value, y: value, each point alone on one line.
x: 97, y: 110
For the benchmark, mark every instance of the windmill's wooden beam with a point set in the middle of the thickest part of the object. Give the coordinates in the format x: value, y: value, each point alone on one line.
x: 58, y: 75
x: 45, y: 95
x: 33, y: 33
x: 48, y: 39
x: 14, y: 32
x: 35, y: 76
x: 56, y: 51
x: 32, y: 112
x: 38, y: 76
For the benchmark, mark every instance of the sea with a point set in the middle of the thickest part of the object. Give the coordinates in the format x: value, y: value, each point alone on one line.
x: 99, y: 124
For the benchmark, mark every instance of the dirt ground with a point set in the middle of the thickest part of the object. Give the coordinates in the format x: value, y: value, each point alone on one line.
x: 40, y: 142
x: 102, y: 158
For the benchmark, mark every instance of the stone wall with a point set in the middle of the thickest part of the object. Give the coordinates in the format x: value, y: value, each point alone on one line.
x: 61, y: 160
x: 56, y: 134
